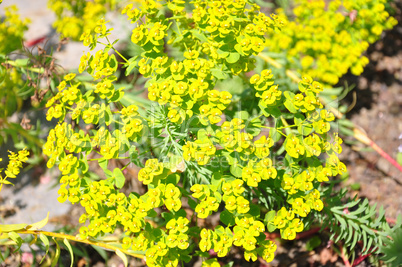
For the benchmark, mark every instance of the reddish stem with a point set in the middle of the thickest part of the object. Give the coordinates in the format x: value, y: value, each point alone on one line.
x: 360, y: 259
x: 344, y: 258
x: 34, y: 42
x: 385, y: 155
x: 362, y: 137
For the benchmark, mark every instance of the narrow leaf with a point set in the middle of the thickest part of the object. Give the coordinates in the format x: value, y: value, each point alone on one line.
x: 38, y: 225
x: 101, y: 252
x: 57, y: 254
x: 16, y: 238
x: 45, y: 241
x: 68, y: 245
x: 12, y: 227
x: 122, y: 256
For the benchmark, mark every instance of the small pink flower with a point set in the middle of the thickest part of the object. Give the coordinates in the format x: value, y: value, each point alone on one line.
x: 27, y: 258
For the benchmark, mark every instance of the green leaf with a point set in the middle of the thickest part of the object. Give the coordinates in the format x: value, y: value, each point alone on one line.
x: 218, y: 196
x: 233, y: 57
x: 271, y: 228
x: 38, y: 225
x: 108, y: 116
x: 313, y: 242
x: 222, y: 53
x: 269, y: 217
x: 119, y: 178
x: 399, y: 158
x: 356, y: 237
x: 45, y: 241
x: 16, y: 238
x: 185, y: 257
x: 173, y: 178
x: 289, y: 105
x: 6, y: 182
x: 253, y: 126
x: 122, y: 256
x: 12, y: 227
x: 199, y: 36
x: 227, y: 218
x: 235, y: 170
x: 65, y: 241
x: 178, y: 39
x: 57, y: 254
x: 305, y: 129
x: 191, y: 202
x: 152, y: 213
x: 219, y: 74
x: 239, y: 48
x: 244, y: 115
x: 103, y: 163
x: 303, y: 86
x: 369, y: 243
x: 21, y: 62
x: 118, y: 95
x: 202, y: 134
x: 254, y: 210
x: 217, y: 179
x: 113, y: 62
x: 274, y: 111
x: 230, y: 156
x: 131, y: 64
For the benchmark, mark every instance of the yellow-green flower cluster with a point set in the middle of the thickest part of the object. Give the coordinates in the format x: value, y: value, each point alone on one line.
x: 201, y: 151
x: 328, y: 39
x: 209, y: 199
x: 248, y: 234
x: 106, y: 208
x: 177, y: 233
x: 232, y: 138
x: 287, y: 223
x: 73, y: 18
x: 266, y: 90
x: 12, y: 30
x: 214, y: 43
x: 232, y: 196
x: 253, y: 173
x: 186, y: 86
x: 14, y: 166
x: 151, y: 170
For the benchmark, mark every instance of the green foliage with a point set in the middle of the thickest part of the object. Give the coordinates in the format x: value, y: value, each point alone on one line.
x: 14, y: 166
x: 391, y: 245
x: 264, y: 166
x: 357, y: 221
x: 12, y: 30
x: 204, y: 147
x: 325, y: 41
x: 76, y: 17
x: 312, y: 243
x: 21, y: 75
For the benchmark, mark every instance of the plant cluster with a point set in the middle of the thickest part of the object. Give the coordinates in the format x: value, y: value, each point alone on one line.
x: 12, y: 30
x: 14, y: 166
x: 326, y: 40
x: 214, y: 162
x: 76, y: 17
x: 265, y: 167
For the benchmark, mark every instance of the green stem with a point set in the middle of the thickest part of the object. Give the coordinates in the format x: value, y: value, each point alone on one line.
x: 14, y: 64
x: 85, y: 241
x: 117, y: 52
